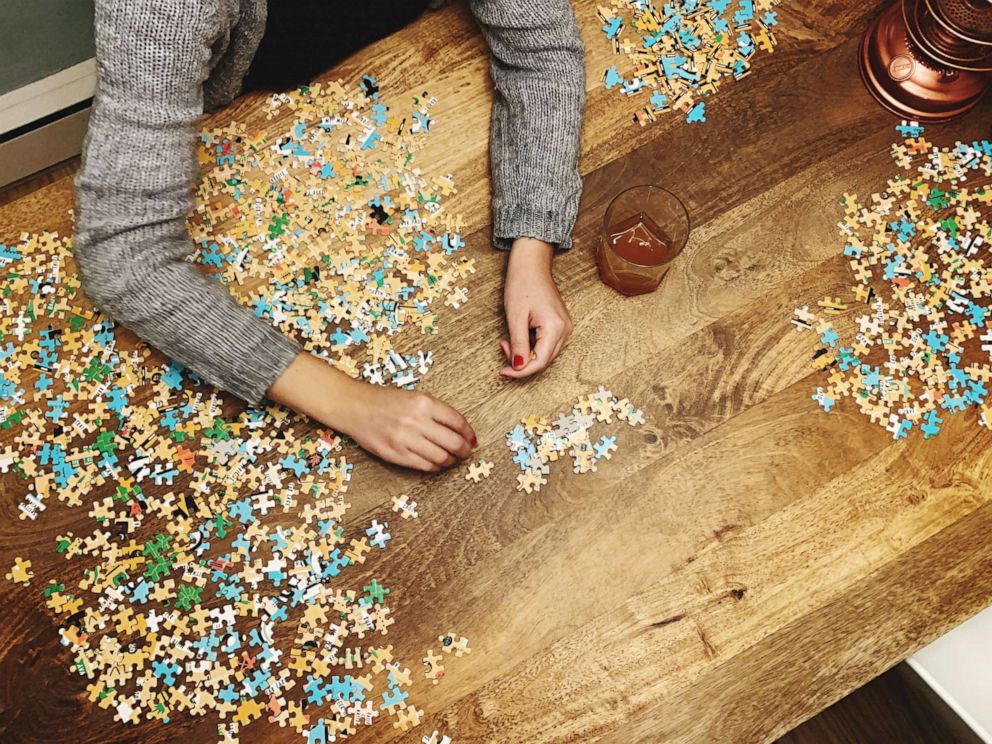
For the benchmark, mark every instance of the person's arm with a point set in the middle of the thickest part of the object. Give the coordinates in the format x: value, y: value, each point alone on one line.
x: 538, y: 73
x: 412, y: 429
x: 135, y: 189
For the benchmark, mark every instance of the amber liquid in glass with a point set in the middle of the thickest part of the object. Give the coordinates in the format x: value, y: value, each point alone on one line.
x: 639, y: 240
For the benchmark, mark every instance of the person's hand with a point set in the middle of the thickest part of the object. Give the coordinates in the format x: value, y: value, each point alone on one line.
x: 412, y: 429
x: 531, y: 300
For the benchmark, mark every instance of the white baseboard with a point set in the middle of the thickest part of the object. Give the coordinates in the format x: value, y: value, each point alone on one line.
x: 958, y: 667
x: 42, y: 147
x: 46, y: 96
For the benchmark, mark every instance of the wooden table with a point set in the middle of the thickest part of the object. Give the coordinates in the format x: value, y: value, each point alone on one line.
x: 744, y: 560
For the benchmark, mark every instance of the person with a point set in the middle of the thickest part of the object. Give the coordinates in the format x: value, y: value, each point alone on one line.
x: 162, y: 63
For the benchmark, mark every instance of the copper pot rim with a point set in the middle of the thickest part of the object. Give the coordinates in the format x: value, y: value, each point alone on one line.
x: 954, y: 31
x: 982, y: 64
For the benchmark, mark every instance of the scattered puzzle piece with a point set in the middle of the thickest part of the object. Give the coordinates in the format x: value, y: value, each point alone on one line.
x: 20, y: 572
x: 406, y: 508
x: 479, y: 470
x: 436, y: 738
x: 450, y: 643
x: 433, y: 668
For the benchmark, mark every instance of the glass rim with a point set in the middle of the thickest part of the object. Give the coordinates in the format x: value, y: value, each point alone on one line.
x: 685, y: 213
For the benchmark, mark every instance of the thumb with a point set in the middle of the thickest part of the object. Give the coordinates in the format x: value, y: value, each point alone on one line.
x: 519, y: 342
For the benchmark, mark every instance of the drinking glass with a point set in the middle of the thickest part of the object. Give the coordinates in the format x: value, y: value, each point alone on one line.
x: 645, y: 228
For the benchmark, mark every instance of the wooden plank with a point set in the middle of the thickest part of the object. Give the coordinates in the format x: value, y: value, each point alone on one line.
x: 887, y: 615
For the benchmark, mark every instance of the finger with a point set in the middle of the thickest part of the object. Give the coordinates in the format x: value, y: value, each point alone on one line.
x: 450, y: 440
x: 505, y: 346
x: 547, y: 337
x: 519, y: 341
x: 413, y: 460
x: 540, y: 359
x: 510, y: 371
x: 562, y: 343
x: 432, y: 452
x: 445, y: 414
x: 538, y: 362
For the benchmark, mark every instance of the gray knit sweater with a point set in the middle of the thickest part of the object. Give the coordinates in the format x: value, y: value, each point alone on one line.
x: 161, y: 63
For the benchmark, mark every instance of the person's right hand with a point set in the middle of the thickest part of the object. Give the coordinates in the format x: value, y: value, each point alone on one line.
x: 412, y: 429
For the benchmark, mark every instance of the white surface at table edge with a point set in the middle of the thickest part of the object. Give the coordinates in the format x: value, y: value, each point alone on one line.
x: 966, y: 647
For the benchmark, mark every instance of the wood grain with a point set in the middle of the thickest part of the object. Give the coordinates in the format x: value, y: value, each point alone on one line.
x: 743, y: 561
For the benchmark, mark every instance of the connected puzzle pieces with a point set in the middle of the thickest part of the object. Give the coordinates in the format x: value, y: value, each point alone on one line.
x: 479, y: 470
x: 919, y: 350
x: 451, y: 643
x: 537, y: 442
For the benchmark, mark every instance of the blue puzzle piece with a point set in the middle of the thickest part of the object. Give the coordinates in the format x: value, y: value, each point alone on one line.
x: 229, y: 694
x: 931, y: 427
x: 825, y: 401
x: 602, y: 447
x: 909, y: 130
x: 241, y: 510
x: 317, y: 734
x: 393, y: 696
x: 379, y: 114
x: 745, y: 12
x: 612, y: 78
x: 903, y: 431
x: 315, y: 689
x: 166, y: 671
x: 345, y: 688
x: 613, y: 26
x: 936, y: 341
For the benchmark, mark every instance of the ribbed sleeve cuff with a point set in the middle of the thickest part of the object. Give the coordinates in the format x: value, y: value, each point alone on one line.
x: 263, y: 364
x: 525, y: 221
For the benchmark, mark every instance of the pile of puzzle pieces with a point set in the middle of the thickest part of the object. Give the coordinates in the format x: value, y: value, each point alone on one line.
x: 219, y: 577
x: 349, y: 242
x: 537, y: 442
x: 920, y: 253
x: 680, y: 51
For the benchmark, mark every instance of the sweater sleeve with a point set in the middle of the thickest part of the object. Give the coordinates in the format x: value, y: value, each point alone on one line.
x: 135, y: 188
x: 539, y: 77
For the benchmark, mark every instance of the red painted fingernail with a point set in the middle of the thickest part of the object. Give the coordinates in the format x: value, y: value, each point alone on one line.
x: 475, y: 441
x: 518, y: 362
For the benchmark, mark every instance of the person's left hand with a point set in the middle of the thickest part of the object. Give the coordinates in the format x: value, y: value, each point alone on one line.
x: 531, y: 300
